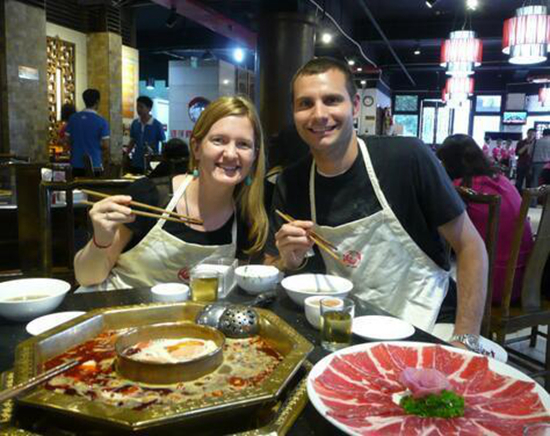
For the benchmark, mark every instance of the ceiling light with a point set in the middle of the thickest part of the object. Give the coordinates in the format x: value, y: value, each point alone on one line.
x: 461, y: 53
x: 351, y: 62
x: 363, y: 82
x: 431, y: 3
x: 150, y: 83
x: 172, y: 18
x: 525, y: 36
x: 326, y: 38
x: 238, y: 55
x: 417, y: 50
x: 458, y: 89
x: 472, y: 5
x: 226, y: 82
x: 359, y: 69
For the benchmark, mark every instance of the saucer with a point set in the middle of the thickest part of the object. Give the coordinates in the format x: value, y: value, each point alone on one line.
x: 47, y: 322
x: 383, y: 328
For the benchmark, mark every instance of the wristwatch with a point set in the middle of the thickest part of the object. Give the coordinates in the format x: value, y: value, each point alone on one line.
x: 471, y: 341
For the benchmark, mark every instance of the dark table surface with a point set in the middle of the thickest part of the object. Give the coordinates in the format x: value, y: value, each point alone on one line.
x: 310, y: 421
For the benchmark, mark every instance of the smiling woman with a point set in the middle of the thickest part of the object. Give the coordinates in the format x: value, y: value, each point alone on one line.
x: 224, y: 191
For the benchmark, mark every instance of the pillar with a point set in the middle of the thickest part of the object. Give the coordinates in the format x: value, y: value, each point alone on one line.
x: 105, y: 75
x: 285, y: 43
x: 23, y: 81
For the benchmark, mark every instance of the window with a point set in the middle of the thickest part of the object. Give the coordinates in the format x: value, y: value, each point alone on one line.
x: 428, y: 122
x: 488, y: 103
x: 406, y: 103
x: 409, y: 123
x: 484, y: 124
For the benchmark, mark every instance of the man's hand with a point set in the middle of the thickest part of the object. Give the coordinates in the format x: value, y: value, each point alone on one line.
x: 293, y: 242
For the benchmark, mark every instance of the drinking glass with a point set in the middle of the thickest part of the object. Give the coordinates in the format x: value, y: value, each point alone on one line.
x: 205, y: 283
x: 336, y: 321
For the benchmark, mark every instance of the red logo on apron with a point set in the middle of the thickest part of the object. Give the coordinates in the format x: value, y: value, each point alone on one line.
x: 183, y: 274
x: 352, y: 258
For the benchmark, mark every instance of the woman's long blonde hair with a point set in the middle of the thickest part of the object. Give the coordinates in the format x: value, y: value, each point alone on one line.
x: 249, y: 199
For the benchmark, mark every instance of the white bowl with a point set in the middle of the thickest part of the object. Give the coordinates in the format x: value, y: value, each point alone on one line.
x: 256, y: 279
x: 301, y: 286
x: 313, y: 309
x: 169, y: 292
x: 14, y: 304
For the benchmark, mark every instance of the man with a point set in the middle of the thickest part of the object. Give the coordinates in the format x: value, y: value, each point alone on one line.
x: 523, y: 152
x: 145, y: 131
x: 88, y: 134
x: 540, y: 157
x: 383, y: 204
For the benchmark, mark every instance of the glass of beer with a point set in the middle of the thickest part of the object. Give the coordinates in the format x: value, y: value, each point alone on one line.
x: 336, y: 320
x: 205, y: 283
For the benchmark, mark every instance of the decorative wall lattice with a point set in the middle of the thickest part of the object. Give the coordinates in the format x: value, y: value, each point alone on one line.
x: 61, y: 81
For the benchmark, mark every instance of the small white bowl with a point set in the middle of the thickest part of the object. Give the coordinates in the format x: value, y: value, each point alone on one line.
x: 313, y: 309
x: 256, y: 279
x: 170, y: 292
x: 301, y: 286
x: 26, y: 299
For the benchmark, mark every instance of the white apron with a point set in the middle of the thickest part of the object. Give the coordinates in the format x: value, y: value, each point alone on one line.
x: 161, y: 257
x: 386, y: 266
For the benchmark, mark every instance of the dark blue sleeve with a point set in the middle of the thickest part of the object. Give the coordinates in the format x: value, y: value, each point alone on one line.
x: 161, y: 134
x: 133, y: 133
x: 104, y: 129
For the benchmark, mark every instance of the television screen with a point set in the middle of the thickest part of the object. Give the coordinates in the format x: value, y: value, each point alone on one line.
x: 517, y: 117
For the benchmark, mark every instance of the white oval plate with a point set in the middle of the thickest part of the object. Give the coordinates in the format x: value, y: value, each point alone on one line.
x: 47, y: 322
x: 384, y: 328
x: 494, y: 365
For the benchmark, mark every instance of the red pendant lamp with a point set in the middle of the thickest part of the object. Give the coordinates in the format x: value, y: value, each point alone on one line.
x: 461, y: 53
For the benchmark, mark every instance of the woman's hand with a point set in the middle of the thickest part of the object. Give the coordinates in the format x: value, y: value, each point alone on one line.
x: 293, y: 242
x: 107, y: 215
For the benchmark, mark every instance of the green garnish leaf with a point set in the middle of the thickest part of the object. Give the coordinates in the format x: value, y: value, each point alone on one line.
x: 445, y: 405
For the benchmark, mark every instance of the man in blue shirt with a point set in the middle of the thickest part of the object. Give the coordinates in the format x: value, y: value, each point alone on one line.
x: 88, y: 134
x: 145, y: 131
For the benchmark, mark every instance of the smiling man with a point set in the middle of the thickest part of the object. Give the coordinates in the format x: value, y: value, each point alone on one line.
x: 386, y: 203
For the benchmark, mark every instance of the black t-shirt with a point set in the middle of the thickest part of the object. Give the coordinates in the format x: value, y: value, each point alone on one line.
x: 413, y: 181
x: 146, y: 191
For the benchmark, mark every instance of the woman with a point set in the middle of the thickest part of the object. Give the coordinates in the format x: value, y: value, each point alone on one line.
x: 67, y: 110
x: 467, y: 166
x: 225, y: 191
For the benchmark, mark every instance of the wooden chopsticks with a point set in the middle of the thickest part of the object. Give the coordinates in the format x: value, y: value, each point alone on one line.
x: 161, y: 211
x: 321, y: 242
x: 35, y: 381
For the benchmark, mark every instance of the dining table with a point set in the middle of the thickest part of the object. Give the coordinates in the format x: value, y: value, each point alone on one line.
x: 309, y: 422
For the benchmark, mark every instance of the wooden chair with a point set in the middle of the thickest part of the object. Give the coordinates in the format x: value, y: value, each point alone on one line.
x: 534, y: 310
x: 113, y: 186
x: 493, y: 203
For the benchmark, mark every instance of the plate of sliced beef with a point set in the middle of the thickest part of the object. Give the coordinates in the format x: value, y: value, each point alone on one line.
x: 411, y: 388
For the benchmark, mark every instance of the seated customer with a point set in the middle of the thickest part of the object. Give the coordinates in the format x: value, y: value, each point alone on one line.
x: 467, y: 166
x: 225, y: 190
x: 175, y: 159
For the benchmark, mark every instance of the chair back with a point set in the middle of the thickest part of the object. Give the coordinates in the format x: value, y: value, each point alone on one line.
x: 493, y: 201
x: 531, y: 286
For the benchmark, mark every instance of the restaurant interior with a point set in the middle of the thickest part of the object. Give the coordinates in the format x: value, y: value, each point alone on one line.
x: 425, y: 69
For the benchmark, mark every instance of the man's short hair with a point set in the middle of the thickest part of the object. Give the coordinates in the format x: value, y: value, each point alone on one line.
x: 546, y: 132
x: 532, y: 129
x: 91, y: 97
x: 322, y: 65
x: 143, y: 99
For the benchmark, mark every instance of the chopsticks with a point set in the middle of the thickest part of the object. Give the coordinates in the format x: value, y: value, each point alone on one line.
x: 146, y: 206
x: 20, y: 388
x: 321, y: 242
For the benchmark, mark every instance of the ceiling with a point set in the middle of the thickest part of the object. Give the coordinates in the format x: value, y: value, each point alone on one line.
x: 406, y: 25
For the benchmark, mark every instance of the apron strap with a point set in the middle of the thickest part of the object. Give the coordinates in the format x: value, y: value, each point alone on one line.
x: 175, y: 198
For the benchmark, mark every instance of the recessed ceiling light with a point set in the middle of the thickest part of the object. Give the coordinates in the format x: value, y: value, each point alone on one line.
x: 417, y: 50
x: 363, y: 82
x: 472, y: 5
x: 351, y: 62
x: 238, y: 54
x: 326, y: 38
x: 226, y: 82
x: 359, y: 69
